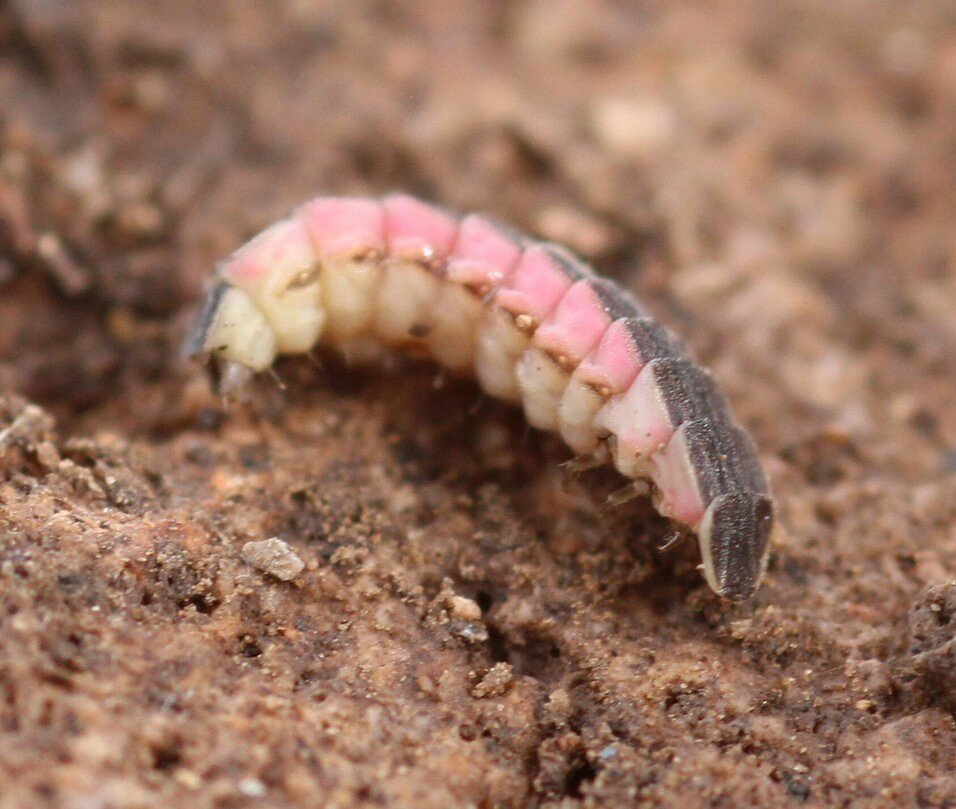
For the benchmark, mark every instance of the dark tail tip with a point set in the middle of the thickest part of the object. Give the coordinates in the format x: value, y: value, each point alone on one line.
x: 739, y: 535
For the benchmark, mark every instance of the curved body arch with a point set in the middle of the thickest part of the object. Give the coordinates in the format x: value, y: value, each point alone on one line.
x: 534, y: 324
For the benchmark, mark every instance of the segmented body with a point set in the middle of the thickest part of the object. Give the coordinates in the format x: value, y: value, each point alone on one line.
x: 534, y: 324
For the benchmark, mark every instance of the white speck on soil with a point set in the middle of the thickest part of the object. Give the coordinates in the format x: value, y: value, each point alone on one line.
x: 273, y: 556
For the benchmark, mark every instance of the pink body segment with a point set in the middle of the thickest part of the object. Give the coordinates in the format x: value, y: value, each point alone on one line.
x: 542, y: 277
x: 349, y: 237
x: 482, y: 258
x: 565, y: 337
x: 278, y: 269
x: 607, y: 371
x: 419, y: 238
x: 345, y: 227
x: 639, y: 421
x: 678, y: 493
x: 535, y: 326
x: 418, y: 231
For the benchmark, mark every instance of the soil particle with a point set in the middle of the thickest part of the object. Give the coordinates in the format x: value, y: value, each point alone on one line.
x: 273, y: 556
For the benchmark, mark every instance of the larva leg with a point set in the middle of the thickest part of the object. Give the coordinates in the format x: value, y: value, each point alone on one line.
x: 419, y: 238
x: 619, y: 497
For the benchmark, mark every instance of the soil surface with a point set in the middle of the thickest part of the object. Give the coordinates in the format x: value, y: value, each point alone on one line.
x: 445, y: 619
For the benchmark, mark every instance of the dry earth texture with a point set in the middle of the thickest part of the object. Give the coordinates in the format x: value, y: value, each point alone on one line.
x: 445, y: 621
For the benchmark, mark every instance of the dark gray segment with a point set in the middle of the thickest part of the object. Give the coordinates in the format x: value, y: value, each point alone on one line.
x: 566, y: 261
x: 740, y: 529
x: 689, y: 393
x: 195, y: 342
x: 750, y: 471
x: 618, y: 303
x: 651, y: 340
x: 724, y: 459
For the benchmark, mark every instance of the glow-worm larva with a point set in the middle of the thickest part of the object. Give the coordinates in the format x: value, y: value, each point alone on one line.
x: 531, y: 321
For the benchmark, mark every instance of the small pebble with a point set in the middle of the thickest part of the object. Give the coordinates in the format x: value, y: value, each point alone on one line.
x: 464, y: 609
x: 495, y: 682
x: 273, y: 556
x: 252, y: 787
x: 633, y: 127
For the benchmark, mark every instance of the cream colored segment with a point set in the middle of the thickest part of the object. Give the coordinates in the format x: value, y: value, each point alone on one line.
x: 349, y: 295
x: 626, y: 460
x: 500, y: 343
x: 613, y: 420
x: 676, y: 489
x: 639, y: 423
x: 240, y: 333
x: 542, y: 382
x: 405, y: 301
x: 296, y: 315
x: 629, y: 463
x: 456, y: 318
x: 576, y: 412
x: 287, y: 290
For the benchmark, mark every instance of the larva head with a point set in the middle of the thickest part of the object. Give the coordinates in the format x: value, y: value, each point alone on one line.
x: 734, y: 538
x: 279, y: 271
x: 231, y: 328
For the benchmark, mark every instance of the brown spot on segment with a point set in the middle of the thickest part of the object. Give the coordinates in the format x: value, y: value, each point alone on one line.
x: 601, y: 391
x: 562, y: 361
x: 368, y: 253
x: 478, y: 290
x: 425, y: 257
x: 420, y: 330
x: 303, y: 279
x: 525, y: 323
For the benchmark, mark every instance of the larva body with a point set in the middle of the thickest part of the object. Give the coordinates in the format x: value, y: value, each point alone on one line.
x: 533, y: 323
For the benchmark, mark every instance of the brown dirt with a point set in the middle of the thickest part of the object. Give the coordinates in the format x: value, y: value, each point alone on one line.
x: 777, y: 180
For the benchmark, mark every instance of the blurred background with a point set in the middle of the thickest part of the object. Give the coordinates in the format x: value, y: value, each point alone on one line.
x: 776, y: 180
